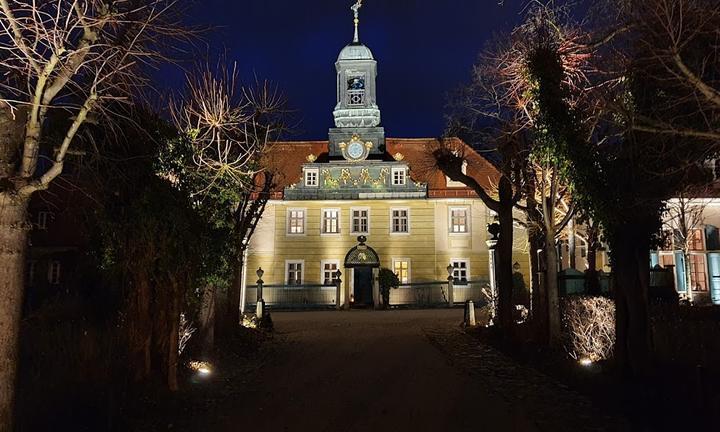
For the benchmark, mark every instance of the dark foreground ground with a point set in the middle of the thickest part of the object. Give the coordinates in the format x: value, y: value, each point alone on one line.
x: 380, y: 371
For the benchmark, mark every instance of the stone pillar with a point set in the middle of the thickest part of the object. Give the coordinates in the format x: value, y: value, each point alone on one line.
x: 470, y: 320
x: 494, y: 230
x: 346, y: 302
x: 451, y: 286
x: 260, y: 306
x: 376, y: 287
x: 338, y: 289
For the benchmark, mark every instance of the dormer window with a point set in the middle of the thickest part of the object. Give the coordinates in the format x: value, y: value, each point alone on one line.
x: 456, y: 184
x: 311, y: 177
x: 356, y: 91
x: 399, y: 176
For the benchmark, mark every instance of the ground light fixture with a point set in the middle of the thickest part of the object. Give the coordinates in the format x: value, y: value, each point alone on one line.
x: 202, y: 368
x: 586, y: 361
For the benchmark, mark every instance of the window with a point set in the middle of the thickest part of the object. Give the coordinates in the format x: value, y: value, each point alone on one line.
x: 329, y: 268
x: 667, y: 260
x: 456, y: 184
x: 400, y: 221
x: 458, y: 220
x: 331, y: 221
x: 399, y: 176
x: 43, y: 218
x: 311, y: 177
x: 356, y: 91
x: 360, y: 222
x: 54, y: 272
x: 460, y: 270
x: 698, y: 272
x: 296, y: 221
x: 294, y: 272
x: 32, y: 266
x: 695, y: 239
x: 401, y: 267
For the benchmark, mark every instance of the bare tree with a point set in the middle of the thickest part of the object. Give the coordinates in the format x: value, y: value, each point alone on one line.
x: 70, y: 58
x: 231, y: 129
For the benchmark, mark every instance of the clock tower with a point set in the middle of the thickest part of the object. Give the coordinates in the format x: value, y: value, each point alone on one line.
x: 357, y: 133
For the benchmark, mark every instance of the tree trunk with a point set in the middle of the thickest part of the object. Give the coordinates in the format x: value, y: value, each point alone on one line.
x: 504, y: 254
x: 571, y: 243
x: 551, y: 287
x: 232, y: 314
x: 631, y: 254
x: 538, y: 306
x: 13, y: 248
x: 207, y: 320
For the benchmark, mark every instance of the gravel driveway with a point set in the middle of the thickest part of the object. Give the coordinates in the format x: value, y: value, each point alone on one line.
x: 391, y: 371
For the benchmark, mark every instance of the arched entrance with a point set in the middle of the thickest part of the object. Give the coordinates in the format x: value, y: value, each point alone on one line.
x: 362, y: 259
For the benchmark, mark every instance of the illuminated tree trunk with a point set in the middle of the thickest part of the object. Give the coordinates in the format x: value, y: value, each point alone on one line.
x: 504, y: 247
x: 13, y: 247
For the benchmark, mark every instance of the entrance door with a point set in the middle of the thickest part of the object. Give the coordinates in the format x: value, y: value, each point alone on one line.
x: 363, y: 286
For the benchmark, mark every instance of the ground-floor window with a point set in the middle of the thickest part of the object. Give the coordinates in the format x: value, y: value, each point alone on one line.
x: 54, y: 273
x: 460, y: 270
x: 698, y: 272
x: 294, y: 272
x: 329, y: 268
x: 401, y: 267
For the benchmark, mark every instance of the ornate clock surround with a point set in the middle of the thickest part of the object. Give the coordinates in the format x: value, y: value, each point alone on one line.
x: 356, y: 150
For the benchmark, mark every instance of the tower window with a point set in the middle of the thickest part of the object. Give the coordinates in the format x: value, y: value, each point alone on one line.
x: 311, y: 177
x: 399, y: 176
x: 356, y: 91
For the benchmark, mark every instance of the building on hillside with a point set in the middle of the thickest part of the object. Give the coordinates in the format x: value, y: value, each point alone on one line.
x: 360, y: 201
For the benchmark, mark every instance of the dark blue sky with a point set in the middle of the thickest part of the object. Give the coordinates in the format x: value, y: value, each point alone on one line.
x: 424, y: 48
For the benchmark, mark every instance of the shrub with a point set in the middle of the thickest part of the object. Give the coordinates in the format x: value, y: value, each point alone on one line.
x: 387, y: 280
x: 589, y: 327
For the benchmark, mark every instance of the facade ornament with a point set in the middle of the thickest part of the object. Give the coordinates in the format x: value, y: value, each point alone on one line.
x: 398, y: 156
x: 311, y: 158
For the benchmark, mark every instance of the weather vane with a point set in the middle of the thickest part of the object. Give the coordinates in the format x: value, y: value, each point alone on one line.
x: 356, y: 11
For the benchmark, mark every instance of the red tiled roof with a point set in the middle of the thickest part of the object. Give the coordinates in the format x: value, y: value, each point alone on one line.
x: 286, y: 159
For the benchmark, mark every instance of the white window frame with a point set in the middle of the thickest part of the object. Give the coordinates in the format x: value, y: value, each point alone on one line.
x: 451, y: 225
x: 409, y: 269
x: 302, y: 270
x: 394, y: 209
x: 456, y: 184
x: 312, y: 173
x: 467, y: 268
x: 43, y: 218
x: 322, y: 270
x: 288, y: 225
x: 402, y: 171
x: 54, y: 276
x: 352, y: 220
x: 322, y: 222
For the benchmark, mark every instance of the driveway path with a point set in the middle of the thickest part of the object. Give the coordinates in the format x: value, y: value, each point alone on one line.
x: 388, y: 371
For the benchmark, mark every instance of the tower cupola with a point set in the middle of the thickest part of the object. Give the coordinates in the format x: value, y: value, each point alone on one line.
x: 356, y: 90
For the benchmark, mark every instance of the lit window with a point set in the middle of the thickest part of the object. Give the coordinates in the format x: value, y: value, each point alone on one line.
x: 459, y: 220
x: 401, y: 267
x: 399, y: 221
x: 328, y: 271
x: 294, y: 272
x: 311, y: 177
x: 460, y: 270
x: 698, y: 272
x: 54, y: 272
x: 42, y: 219
x: 360, y: 221
x: 296, y: 221
x: 331, y: 221
x: 399, y: 176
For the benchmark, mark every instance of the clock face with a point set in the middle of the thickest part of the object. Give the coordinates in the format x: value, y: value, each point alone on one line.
x: 355, y: 150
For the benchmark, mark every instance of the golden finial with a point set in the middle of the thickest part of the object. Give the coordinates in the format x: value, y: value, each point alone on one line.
x: 356, y: 11
x: 311, y: 158
x: 398, y: 156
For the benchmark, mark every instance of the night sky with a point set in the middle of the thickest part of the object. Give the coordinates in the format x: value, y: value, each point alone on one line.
x: 424, y: 48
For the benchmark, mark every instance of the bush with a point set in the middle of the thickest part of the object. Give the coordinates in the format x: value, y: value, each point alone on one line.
x: 387, y: 280
x: 589, y: 327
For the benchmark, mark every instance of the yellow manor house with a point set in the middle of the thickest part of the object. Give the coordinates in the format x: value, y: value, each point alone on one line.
x: 360, y: 201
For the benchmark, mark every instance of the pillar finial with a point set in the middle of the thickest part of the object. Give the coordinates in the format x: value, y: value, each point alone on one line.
x: 356, y: 12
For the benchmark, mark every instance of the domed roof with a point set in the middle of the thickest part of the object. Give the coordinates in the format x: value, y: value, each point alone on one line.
x: 356, y: 51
